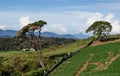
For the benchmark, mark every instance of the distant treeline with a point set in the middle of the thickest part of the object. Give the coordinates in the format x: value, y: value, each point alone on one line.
x: 17, y: 44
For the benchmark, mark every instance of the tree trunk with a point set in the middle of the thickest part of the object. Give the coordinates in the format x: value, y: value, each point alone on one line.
x: 40, y: 56
x: 39, y: 50
x: 39, y: 33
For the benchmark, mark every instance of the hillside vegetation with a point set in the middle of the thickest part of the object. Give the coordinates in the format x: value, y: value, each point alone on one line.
x: 25, y: 63
x: 65, y: 48
x: 114, y: 36
x: 100, y: 60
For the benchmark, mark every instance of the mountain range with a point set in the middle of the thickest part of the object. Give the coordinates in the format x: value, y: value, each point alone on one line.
x: 11, y: 33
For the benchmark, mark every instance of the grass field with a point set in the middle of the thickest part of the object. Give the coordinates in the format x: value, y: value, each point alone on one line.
x: 26, y: 63
x: 65, y: 48
x: 18, y: 63
x: 114, y: 36
x: 101, y: 55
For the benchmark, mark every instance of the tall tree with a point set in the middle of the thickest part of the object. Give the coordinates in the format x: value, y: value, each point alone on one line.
x: 100, y: 29
x: 37, y: 26
x: 36, y: 41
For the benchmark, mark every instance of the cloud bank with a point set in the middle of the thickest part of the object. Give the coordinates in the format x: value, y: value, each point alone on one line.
x: 24, y: 21
x: 63, y: 22
x: 59, y: 28
x: 110, y: 18
x: 2, y: 27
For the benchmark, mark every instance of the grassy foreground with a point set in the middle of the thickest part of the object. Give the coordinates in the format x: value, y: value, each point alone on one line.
x: 25, y: 63
x: 16, y: 63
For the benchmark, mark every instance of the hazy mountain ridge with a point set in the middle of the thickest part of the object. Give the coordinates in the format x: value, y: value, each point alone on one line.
x: 11, y: 33
x: 81, y: 35
x: 50, y: 34
x: 7, y: 33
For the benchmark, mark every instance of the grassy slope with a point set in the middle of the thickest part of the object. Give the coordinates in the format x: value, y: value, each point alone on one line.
x: 114, y: 36
x: 22, y: 63
x: 65, y: 48
x: 18, y: 63
x: 29, y: 59
x: 72, y: 65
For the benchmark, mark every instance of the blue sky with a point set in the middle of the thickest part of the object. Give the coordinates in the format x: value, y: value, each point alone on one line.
x: 62, y: 16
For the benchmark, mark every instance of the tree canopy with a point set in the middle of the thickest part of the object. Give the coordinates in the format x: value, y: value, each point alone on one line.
x: 30, y: 28
x: 100, y: 29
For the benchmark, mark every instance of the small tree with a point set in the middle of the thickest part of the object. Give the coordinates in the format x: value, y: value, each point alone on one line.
x: 100, y: 29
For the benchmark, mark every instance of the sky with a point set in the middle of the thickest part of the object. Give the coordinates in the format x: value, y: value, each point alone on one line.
x: 62, y: 16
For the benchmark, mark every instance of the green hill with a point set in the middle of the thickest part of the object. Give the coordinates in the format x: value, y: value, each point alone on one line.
x: 25, y: 63
x: 101, y: 60
x: 90, y: 61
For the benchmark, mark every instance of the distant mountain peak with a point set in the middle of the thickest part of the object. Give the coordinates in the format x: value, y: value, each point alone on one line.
x: 81, y: 35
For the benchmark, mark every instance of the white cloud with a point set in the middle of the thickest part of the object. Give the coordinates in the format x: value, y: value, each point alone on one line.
x: 24, y: 21
x: 95, y: 17
x: 115, y: 23
x: 45, y: 29
x: 110, y: 18
x: 60, y: 22
x: 74, y: 23
x: 116, y: 27
x: 2, y: 27
x: 58, y: 28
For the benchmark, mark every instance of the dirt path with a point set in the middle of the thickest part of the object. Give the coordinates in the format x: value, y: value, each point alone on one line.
x: 99, y: 43
x: 112, y: 60
x: 99, y: 65
x: 84, y: 65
